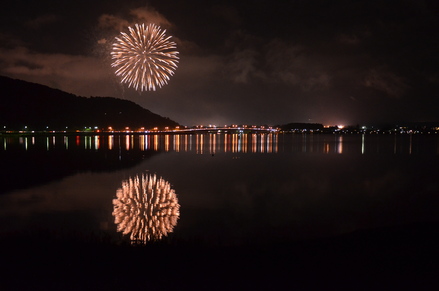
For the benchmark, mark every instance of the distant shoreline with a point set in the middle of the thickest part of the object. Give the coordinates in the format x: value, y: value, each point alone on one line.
x: 213, y: 131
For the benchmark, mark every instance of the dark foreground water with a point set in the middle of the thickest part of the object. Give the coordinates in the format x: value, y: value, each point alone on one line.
x: 202, y: 211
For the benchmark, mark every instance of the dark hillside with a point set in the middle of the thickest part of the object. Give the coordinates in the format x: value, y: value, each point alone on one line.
x: 37, y: 107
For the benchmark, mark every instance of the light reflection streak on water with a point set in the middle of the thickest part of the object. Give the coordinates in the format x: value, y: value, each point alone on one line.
x: 202, y: 143
x: 127, y: 142
x: 340, y: 144
x: 269, y: 143
x: 262, y: 143
x: 142, y: 142
x: 156, y: 142
x: 326, y: 148
x: 119, y: 147
x: 254, y: 142
x: 226, y: 142
x: 87, y: 143
x: 246, y: 141
x: 177, y: 143
x: 363, y: 148
x: 235, y: 143
x: 110, y: 142
x: 199, y: 143
x: 23, y: 141
x: 190, y: 142
x: 147, y: 142
x: 97, y: 142
x: 215, y: 143
x: 239, y: 143
x: 167, y: 143
x: 212, y: 143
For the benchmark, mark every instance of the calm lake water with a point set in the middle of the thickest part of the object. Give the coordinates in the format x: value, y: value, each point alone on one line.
x: 215, y: 189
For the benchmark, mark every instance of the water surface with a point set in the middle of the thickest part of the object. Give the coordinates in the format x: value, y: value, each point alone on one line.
x: 231, y: 189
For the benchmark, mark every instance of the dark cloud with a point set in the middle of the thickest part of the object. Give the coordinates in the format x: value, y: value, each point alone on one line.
x: 136, y: 15
x: 229, y: 14
x: 42, y: 21
x: 383, y: 80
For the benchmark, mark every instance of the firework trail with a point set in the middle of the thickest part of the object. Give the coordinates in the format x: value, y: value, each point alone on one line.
x: 144, y: 58
x: 146, y: 208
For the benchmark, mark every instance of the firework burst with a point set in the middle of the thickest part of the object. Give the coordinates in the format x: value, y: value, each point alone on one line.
x: 144, y: 58
x: 146, y: 208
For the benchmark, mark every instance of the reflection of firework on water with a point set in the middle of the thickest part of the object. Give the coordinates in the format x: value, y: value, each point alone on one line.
x: 146, y: 208
x: 145, y: 57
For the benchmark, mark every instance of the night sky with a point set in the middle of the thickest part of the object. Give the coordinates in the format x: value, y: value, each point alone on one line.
x: 242, y: 62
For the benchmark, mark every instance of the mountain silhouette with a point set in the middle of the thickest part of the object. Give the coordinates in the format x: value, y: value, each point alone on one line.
x: 39, y: 107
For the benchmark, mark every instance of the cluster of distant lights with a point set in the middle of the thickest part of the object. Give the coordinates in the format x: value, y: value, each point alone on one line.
x: 127, y: 129
x: 234, y: 127
x: 189, y: 129
x: 363, y: 130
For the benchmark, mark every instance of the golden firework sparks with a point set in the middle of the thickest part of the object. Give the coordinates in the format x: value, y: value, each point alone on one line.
x: 144, y: 58
x: 146, y: 208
